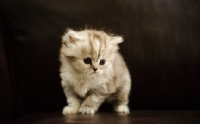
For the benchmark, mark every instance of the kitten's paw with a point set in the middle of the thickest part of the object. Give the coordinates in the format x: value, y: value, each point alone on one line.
x: 86, y: 110
x: 69, y: 110
x: 122, y: 109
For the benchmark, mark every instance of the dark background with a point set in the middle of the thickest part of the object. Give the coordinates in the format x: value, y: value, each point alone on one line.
x: 161, y: 48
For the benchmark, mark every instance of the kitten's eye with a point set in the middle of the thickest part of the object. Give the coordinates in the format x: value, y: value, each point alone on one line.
x: 87, y: 61
x: 102, y: 62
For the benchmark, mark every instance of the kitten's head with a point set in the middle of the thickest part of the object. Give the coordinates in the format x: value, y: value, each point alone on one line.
x: 90, y: 51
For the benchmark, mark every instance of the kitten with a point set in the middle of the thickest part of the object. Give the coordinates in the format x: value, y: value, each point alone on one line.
x: 92, y: 71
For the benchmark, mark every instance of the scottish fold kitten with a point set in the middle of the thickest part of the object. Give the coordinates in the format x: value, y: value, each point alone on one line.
x: 93, y: 71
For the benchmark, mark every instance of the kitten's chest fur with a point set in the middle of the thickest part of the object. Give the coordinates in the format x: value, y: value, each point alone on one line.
x: 84, y: 85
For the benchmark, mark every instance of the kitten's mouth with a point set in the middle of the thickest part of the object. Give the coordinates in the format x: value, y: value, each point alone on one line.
x: 97, y: 73
x: 94, y: 72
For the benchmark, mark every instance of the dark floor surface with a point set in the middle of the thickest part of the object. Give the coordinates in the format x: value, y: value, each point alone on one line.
x: 135, y: 117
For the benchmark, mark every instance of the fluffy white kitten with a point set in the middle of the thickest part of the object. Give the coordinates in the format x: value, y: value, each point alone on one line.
x: 92, y: 71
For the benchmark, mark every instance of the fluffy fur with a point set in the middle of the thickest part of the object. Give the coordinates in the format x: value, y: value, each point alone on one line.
x: 88, y: 84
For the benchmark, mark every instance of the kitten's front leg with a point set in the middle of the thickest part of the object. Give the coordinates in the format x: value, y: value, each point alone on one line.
x: 91, y: 104
x: 73, y: 105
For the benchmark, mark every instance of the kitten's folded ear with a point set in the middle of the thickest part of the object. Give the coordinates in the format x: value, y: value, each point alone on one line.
x: 70, y: 37
x: 116, y: 39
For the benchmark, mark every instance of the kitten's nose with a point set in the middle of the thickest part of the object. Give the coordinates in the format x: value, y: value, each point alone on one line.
x: 95, y: 69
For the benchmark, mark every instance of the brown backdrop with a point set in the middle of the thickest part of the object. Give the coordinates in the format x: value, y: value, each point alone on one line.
x: 161, y: 48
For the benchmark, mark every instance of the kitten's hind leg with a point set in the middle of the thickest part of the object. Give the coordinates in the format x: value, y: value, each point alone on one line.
x: 121, y: 102
x: 122, y: 109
